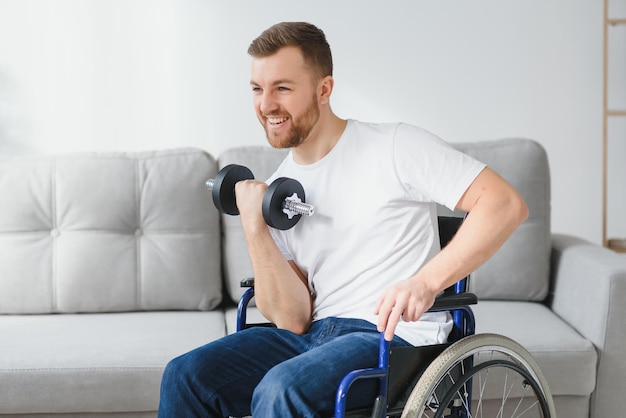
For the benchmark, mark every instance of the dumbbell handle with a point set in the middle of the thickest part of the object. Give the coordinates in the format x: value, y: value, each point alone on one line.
x: 291, y: 203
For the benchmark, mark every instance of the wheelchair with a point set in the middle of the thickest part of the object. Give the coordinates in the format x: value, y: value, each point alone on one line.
x: 471, y: 375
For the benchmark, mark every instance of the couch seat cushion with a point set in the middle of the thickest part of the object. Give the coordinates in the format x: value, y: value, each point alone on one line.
x: 94, y: 362
x: 253, y: 316
x: 567, y: 359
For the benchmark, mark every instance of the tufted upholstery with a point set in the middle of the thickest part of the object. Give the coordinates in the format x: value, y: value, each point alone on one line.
x: 108, y: 232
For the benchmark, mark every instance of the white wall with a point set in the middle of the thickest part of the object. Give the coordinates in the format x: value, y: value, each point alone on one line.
x: 140, y: 74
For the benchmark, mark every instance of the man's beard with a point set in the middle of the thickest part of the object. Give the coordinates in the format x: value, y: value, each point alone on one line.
x: 299, y: 131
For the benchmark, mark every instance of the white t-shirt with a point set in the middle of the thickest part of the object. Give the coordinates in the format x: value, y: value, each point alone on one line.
x: 375, y: 218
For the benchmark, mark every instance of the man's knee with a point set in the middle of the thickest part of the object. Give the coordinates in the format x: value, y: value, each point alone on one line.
x: 290, y: 390
x: 277, y: 387
x: 175, y: 373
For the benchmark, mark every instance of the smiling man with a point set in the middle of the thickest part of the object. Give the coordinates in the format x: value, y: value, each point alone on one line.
x: 367, y: 262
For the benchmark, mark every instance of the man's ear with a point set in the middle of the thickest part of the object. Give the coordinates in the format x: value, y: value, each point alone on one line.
x: 325, y: 89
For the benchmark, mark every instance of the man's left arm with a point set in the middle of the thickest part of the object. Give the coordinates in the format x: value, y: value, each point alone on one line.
x: 495, y: 209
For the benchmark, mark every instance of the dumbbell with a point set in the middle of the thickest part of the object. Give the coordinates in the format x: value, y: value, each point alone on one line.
x: 283, y: 201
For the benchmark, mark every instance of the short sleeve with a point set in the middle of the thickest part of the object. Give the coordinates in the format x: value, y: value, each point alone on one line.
x: 430, y: 169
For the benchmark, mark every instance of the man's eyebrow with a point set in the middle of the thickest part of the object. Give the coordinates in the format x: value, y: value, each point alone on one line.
x: 274, y: 83
x: 283, y: 81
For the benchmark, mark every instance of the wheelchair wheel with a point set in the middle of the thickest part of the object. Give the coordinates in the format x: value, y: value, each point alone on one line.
x: 483, y: 375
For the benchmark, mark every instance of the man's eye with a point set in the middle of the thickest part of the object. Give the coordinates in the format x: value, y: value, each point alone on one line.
x: 256, y: 90
x: 282, y: 88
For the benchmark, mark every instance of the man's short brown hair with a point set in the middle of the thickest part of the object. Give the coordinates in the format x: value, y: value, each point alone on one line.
x: 305, y: 36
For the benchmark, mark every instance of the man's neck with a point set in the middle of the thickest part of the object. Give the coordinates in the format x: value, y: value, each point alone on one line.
x: 321, y: 140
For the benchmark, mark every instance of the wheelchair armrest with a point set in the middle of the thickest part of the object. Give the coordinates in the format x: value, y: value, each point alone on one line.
x: 459, y: 305
x: 249, y: 282
x: 446, y: 301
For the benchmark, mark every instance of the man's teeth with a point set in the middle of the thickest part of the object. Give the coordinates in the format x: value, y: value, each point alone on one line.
x: 275, y: 121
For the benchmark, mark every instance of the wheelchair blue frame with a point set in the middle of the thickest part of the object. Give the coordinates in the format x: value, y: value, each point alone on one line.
x: 456, y: 299
x: 241, y: 308
x: 462, y: 316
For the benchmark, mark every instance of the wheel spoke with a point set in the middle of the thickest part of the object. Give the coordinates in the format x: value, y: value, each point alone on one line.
x: 482, y: 390
x: 529, y: 408
x: 501, y: 411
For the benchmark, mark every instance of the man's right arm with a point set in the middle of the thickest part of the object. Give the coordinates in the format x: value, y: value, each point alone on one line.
x: 280, y: 289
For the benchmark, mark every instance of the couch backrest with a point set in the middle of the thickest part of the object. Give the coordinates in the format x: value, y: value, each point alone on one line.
x: 519, y: 271
x: 263, y: 161
x: 102, y: 232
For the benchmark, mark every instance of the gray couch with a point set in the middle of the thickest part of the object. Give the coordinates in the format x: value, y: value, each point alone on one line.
x: 113, y: 263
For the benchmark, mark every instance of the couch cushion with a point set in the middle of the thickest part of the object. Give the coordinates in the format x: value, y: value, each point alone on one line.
x: 263, y: 161
x: 95, y: 232
x: 520, y: 268
x: 566, y: 358
x: 94, y: 362
x: 253, y: 316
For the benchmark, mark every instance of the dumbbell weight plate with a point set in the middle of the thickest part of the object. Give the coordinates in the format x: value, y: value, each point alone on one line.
x: 223, y: 192
x: 273, y: 201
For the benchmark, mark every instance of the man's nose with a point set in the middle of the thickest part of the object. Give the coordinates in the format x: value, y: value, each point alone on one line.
x: 268, y: 103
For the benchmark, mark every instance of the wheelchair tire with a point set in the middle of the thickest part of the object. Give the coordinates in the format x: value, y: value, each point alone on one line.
x: 517, y: 387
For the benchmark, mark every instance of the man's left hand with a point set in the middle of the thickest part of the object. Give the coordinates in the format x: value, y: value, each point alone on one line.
x: 406, y: 300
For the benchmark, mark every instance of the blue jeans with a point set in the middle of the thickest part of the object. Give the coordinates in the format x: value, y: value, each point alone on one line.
x: 270, y: 373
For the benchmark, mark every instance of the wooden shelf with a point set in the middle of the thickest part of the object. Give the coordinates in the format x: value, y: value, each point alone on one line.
x: 616, y: 244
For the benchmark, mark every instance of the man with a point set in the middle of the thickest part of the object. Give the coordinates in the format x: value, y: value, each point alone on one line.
x: 367, y: 262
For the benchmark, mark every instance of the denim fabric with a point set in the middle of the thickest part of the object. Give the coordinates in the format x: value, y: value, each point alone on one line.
x: 270, y: 373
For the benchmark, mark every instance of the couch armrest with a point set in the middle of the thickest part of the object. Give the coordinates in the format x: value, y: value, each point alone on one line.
x: 588, y: 290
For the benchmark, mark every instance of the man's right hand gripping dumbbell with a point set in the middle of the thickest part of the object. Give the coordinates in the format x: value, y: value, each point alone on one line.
x: 283, y: 201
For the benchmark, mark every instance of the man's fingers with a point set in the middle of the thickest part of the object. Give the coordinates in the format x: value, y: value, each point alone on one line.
x: 393, y: 307
x: 383, y: 310
x: 401, y: 302
x: 410, y: 314
x: 392, y: 322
